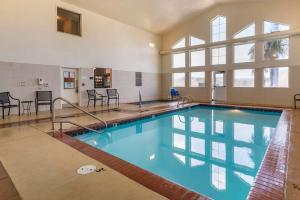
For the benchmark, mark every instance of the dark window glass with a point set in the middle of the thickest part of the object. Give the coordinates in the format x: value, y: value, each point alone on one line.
x: 138, y: 79
x: 68, y: 22
x: 102, y: 78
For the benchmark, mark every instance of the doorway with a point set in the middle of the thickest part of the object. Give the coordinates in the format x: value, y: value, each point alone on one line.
x: 218, y: 90
x: 70, y: 85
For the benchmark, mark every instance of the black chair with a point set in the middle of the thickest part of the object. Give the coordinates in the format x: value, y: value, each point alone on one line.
x: 5, y: 102
x: 94, y: 96
x: 296, y: 98
x: 43, y: 98
x: 113, y: 94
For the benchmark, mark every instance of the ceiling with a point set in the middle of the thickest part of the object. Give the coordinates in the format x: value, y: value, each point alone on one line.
x: 156, y: 16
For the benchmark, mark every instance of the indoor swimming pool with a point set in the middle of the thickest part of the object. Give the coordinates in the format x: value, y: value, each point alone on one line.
x: 213, y: 151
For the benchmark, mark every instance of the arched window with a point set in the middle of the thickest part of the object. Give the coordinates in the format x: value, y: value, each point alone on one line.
x: 218, y: 29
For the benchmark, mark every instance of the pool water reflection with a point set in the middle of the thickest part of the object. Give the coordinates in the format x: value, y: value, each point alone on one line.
x: 213, y: 151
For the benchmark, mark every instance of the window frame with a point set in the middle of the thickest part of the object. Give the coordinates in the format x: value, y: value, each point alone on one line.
x: 72, y: 12
x: 277, y: 59
x: 172, y: 62
x: 190, y: 58
x: 190, y: 41
x: 190, y: 77
x: 173, y: 79
x: 211, y: 55
x: 240, y: 44
x: 177, y: 42
x: 270, y: 21
x: 211, y: 29
x: 233, y: 78
x: 269, y: 87
x: 244, y: 28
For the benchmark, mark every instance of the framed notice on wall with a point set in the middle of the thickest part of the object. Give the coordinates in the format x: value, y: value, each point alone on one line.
x: 69, y: 80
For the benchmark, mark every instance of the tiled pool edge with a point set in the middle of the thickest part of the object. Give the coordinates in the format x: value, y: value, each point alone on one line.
x: 270, y: 182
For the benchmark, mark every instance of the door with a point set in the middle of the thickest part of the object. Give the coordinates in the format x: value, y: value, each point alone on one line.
x: 219, y: 91
x: 70, y: 84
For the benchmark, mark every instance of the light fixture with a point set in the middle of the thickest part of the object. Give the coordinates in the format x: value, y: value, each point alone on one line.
x: 152, y: 45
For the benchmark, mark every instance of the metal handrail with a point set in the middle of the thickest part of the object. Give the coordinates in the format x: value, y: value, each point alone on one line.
x: 183, y: 99
x: 69, y: 122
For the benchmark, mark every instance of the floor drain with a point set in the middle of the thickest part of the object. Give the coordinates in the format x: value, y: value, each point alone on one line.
x: 86, y: 169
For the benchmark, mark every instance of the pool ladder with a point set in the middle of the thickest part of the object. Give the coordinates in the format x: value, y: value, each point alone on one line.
x: 184, y: 100
x: 61, y: 122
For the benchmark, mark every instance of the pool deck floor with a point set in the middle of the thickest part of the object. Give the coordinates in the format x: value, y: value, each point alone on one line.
x: 42, y: 167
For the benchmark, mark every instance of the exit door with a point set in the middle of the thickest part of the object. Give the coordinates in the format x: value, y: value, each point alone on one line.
x: 219, y: 91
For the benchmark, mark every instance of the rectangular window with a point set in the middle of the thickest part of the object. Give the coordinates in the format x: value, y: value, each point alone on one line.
x: 102, y: 78
x: 276, y: 77
x: 178, y: 79
x: 218, y: 56
x: 178, y: 60
x: 197, y: 79
x: 276, y: 49
x: 197, y: 58
x: 68, y: 22
x: 244, y: 53
x: 244, y: 78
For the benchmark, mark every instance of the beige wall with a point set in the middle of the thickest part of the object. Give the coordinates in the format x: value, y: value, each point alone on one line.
x: 28, y: 35
x: 238, y: 16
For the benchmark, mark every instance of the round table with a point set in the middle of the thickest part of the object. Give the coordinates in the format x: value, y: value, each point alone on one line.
x: 26, y: 105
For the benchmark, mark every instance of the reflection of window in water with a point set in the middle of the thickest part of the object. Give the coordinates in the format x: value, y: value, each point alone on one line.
x: 219, y: 127
x: 179, y: 141
x: 197, y: 125
x: 243, y: 156
x: 244, y: 132
x: 218, y: 150
x: 179, y: 122
x: 180, y: 158
x: 218, y: 177
x: 198, y: 146
x: 196, y: 163
x: 246, y: 178
x: 267, y: 134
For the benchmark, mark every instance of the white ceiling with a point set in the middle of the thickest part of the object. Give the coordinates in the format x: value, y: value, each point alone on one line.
x: 156, y: 16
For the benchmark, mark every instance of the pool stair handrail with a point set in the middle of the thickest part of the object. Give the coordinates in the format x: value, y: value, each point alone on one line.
x: 61, y: 122
x: 183, y: 100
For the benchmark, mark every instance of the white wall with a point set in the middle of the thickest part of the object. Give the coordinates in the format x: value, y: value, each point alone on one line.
x: 21, y: 80
x: 28, y: 35
x: 238, y: 16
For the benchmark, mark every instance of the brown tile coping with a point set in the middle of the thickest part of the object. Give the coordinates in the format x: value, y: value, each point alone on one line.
x: 269, y: 184
x: 7, y: 188
x: 145, y: 178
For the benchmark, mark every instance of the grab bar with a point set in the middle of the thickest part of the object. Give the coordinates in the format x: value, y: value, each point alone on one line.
x: 69, y: 122
x: 183, y: 99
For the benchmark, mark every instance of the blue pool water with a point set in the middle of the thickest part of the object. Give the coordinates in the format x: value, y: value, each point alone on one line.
x: 213, y: 151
